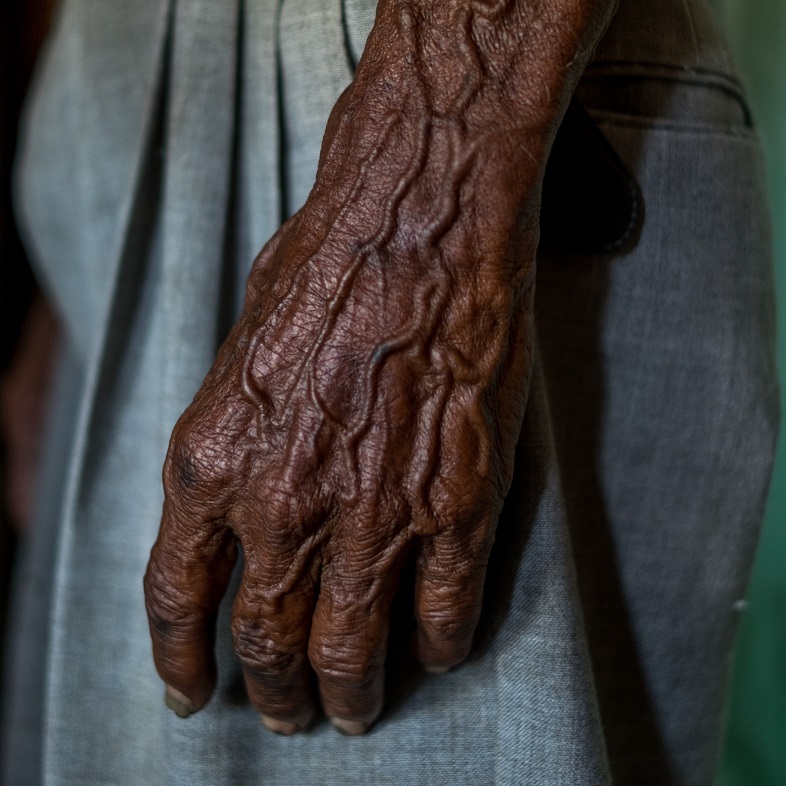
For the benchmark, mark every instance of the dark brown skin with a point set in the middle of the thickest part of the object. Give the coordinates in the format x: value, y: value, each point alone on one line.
x: 365, y: 408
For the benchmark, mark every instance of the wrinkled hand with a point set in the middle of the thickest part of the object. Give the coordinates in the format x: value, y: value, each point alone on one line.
x: 365, y: 409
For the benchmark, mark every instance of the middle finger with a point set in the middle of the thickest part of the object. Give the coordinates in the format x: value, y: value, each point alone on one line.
x: 270, y: 632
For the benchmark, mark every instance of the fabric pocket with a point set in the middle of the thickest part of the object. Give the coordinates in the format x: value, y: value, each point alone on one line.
x: 664, y: 96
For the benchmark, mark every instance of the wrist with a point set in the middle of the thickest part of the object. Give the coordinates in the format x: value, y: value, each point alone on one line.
x: 442, y: 138
x: 509, y: 63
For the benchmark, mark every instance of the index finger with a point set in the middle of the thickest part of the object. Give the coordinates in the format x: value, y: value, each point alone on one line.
x: 189, y: 569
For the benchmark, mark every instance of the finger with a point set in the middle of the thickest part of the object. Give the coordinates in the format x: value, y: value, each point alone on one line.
x: 188, y: 573
x: 449, y: 581
x: 270, y: 631
x: 348, y: 641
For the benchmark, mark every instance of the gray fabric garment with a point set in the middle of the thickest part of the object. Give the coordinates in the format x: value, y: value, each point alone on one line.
x: 642, y: 466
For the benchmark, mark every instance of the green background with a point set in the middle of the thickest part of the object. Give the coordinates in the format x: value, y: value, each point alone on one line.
x: 755, y: 752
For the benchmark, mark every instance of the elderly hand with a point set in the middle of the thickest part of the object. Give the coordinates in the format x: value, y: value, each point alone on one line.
x: 365, y: 409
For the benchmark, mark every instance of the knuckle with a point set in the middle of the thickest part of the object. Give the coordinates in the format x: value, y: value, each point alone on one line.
x: 343, y: 665
x: 447, y: 626
x: 465, y: 504
x: 292, y: 513
x: 466, y: 507
x: 168, y: 608
x: 262, y: 656
x: 197, y: 463
x: 186, y: 467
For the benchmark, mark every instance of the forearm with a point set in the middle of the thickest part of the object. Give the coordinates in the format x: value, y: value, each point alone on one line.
x: 456, y: 102
x: 509, y: 62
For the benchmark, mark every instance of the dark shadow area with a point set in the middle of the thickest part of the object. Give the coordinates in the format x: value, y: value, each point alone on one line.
x: 578, y: 412
x: 23, y: 25
x: 571, y: 300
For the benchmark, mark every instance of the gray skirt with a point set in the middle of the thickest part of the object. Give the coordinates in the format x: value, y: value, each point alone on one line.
x: 164, y: 142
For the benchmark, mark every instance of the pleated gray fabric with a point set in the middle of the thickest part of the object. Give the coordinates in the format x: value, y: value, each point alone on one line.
x: 163, y: 144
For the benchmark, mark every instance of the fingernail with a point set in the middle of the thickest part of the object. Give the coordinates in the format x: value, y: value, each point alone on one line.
x: 348, y: 727
x: 436, y: 669
x: 280, y: 727
x: 179, y: 703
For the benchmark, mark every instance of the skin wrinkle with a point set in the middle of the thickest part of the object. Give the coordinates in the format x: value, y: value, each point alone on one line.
x: 365, y: 409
